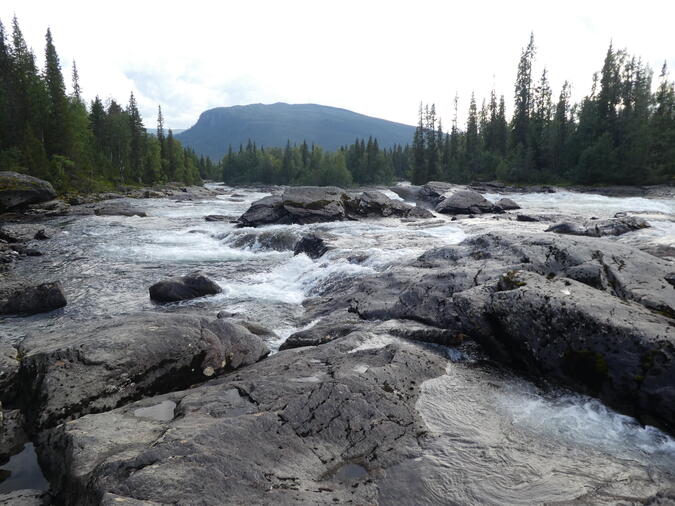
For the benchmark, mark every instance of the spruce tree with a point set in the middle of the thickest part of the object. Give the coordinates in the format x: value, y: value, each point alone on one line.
x: 58, y: 135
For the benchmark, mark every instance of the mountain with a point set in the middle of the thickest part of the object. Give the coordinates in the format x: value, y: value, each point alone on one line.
x: 273, y: 124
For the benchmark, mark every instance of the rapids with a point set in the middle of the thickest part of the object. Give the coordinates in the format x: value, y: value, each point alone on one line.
x: 492, y: 438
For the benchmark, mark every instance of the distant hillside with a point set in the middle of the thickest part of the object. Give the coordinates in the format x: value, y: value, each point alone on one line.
x: 274, y: 124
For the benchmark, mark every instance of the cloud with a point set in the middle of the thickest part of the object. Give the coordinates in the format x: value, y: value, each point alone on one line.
x: 378, y: 58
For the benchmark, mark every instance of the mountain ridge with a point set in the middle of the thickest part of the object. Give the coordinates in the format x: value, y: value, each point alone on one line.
x: 272, y: 125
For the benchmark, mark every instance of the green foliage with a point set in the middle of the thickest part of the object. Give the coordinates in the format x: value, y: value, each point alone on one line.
x: 360, y: 163
x: 621, y: 133
x: 53, y: 136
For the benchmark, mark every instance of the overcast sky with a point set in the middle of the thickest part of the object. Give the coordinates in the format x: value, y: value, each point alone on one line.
x: 379, y: 58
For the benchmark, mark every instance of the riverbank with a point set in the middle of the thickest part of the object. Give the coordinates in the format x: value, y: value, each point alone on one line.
x: 399, y: 390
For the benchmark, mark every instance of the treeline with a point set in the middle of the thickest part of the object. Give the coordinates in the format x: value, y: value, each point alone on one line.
x: 55, y: 136
x: 362, y: 162
x: 621, y: 133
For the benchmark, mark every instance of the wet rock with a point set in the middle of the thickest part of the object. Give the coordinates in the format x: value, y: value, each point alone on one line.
x: 26, y: 497
x: 333, y: 423
x: 266, y: 211
x: 9, y: 370
x: 527, y: 218
x: 54, y: 207
x: 12, y: 436
x: 408, y: 192
x: 19, y: 189
x: 23, y: 299
x: 574, y: 295
x: 24, y: 232
x: 66, y: 375
x: 32, y: 252
x: 312, y: 245
x: 321, y: 333
x: 41, y: 235
x: 465, y: 202
x: 599, y: 228
x: 118, y: 209
x: 376, y: 204
x: 579, y: 336
x: 507, y: 204
x: 186, y: 287
x: 216, y: 217
x: 317, y: 204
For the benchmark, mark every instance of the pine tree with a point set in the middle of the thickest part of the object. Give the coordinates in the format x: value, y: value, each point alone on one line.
x: 419, y: 175
x: 77, y: 90
x: 662, y: 149
x: 472, y: 141
x: 137, y: 140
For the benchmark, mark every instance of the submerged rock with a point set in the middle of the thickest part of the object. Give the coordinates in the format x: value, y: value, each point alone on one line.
x: 65, y: 375
x: 118, y: 209
x: 23, y: 299
x: 599, y: 228
x: 20, y: 189
x: 312, y: 245
x: 507, y: 204
x: 186, y: 287
x: 465, y: 202
x: 318, y: 425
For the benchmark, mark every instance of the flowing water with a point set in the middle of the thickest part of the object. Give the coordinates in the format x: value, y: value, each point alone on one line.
x: 493, y: 438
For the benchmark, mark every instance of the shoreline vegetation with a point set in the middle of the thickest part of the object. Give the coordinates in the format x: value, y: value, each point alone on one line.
x: 621, y: 133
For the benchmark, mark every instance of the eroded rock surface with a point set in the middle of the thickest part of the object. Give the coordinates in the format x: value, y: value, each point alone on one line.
x: 599, y: 228
x: 64, y: 375
x: 317, y: 426
x: 20, y: 189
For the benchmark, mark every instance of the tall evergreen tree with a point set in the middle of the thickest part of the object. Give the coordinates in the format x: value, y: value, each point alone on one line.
x: 58, y: 135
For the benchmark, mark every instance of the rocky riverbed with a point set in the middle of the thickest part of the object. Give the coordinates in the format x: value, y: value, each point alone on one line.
x: 412, y: 345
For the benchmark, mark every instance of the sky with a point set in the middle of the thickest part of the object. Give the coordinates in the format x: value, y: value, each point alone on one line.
x: 380, y: 58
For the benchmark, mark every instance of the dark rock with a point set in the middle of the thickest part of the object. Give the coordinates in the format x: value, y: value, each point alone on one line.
x: 582, y: 294
x: 527, y: 218
x: 12, y: 435
x: 118, y: 209
x: 465, y: 202
x: 434, y: 192
x: 23, y: 299
x: 599, y: 228
x: 9, y: 370
x: 26, y: 497
x: 266, y: 211
x: 19, y: 189
x: 315, y: 204
x: 50, y: 208
x: 408, y: 192
x: 281, y: 431
x: 31, y: 252
x: 66, y: 375
x: 216, y: 217
x: 312, y: 245
x: 321, y: 333
x: 186, y: 287
x: 41, y: 235
x: 507, y: 204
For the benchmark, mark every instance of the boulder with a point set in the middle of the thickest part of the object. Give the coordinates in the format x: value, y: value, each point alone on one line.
x: 66, y: 375
x: 516, y: 294
x: 23, y: 299
x: 312, y: 245
x: 266, y: 211
x: 182, y: 288
x: 319, y: 425
x: 434, y: 192
x: 465, y: 202
x: 527, y: 218
x: 315, y: 204
x: 408, y: 192
x: 376, y: 204
x: 20, y: 189
x: 507, y: 204
x: 599, y: 228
